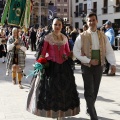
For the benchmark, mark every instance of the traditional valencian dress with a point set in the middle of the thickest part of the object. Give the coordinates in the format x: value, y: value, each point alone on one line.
x: 54, y: 94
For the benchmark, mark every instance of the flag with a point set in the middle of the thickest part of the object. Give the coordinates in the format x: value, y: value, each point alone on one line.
x: 26, y: 21
x: 5, y: 11
x: 16, y: 12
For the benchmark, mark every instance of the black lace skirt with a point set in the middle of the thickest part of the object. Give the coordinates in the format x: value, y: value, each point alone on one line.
x: 53, y: 93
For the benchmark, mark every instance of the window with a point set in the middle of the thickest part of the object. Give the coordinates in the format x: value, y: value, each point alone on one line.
x: 76, y: 11
x: 85, y: 8
x: 76, y: 25
x: 80, y: 8
x: 65, y: 10
x: 42, y: 3
x: 94, y: 7
x: 76, y: 1
x: 105, y: 7
x: 117, y: 8
x: 58, y: 9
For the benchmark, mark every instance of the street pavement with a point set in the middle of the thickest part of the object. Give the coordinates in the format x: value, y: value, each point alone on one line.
x: 13, y: 99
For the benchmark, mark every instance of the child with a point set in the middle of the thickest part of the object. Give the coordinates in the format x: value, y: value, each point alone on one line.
x: 3, y: 50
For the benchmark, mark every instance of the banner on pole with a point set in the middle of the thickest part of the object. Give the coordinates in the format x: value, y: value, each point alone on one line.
x: 52, y: 12
x: 16, y: 12
x: 27, y: 14
x: 5, y: 12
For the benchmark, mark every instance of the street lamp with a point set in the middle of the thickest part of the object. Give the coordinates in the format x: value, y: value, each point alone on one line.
x: 83, y: 15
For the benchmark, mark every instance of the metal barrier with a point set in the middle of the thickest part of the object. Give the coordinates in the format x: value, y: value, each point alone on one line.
x: 118, y: 42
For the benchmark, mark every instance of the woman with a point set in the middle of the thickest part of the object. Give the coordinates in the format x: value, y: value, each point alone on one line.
x: 16, y: 56
x: 55, y: 95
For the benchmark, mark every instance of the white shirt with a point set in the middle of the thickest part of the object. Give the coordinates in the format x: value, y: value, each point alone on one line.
x: 10, y: 47
x: 110, y: 56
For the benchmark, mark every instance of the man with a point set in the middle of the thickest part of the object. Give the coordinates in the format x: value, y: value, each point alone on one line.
x: 91, y: 48
x: 16, y: 57
x: 109, y: 32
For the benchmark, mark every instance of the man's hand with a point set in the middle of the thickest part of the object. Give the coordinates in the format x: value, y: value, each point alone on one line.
x: 17, y: 46
x: 94, y: 62
x: 113, y: 69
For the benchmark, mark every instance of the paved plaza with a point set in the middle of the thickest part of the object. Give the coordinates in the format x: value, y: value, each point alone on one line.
x: 13, y: 99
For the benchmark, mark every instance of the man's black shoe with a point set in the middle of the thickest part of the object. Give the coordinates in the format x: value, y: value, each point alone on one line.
x: 87, y: 112
x: 105, y: 72
x: 111, y: 74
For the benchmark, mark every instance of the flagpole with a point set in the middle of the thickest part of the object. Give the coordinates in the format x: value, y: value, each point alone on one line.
x: 40, y: 13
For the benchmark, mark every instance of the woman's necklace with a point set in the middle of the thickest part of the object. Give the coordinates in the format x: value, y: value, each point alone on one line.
x: 57, y: 36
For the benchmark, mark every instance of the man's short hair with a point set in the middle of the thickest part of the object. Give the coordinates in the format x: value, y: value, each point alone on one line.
x: 90, y: 15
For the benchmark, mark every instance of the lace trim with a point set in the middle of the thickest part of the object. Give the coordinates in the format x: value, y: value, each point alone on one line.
x: 49, y: 38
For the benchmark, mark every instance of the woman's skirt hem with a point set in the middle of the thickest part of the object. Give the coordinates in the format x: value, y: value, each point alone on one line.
x: 53, y: 114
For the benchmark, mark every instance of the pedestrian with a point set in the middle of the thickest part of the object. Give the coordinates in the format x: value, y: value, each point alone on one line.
x: 33, y: 39
x: 91, y: 48
x: 74, y: 34
x: 109, y: 32
x: 3, y: 50
x: 16, y: 56
x: 55, y: 95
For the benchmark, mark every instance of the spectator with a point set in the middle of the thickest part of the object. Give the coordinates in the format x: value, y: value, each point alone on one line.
x: 111, y: 37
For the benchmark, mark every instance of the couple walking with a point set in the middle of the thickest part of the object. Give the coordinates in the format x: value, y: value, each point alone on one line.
x: 53, y: 90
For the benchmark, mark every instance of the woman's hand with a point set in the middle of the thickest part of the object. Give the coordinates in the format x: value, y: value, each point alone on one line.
x: 64, y: 56
x: 16, y: 41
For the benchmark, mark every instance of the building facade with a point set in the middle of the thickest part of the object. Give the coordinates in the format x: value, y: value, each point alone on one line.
x: 39, y: 15
x: 64, y: 10
x: 39, y: 12
x: 105, y: 10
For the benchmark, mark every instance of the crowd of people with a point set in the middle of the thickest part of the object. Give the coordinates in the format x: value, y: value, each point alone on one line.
x: 53, y: 91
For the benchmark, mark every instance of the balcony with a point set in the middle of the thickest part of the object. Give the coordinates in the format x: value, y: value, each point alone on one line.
x: 105, y: 9
x: 76, y: 14
x: 117, y: 7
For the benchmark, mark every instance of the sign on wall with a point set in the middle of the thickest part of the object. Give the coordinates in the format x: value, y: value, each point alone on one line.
x: 89, y: 4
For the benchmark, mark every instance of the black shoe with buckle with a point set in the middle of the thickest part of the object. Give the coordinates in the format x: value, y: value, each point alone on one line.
x: 111, y: 74
x: 87, y: 112
x: 105, y: 72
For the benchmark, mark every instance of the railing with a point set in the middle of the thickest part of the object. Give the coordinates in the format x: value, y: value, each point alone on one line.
x: 118, y: 42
